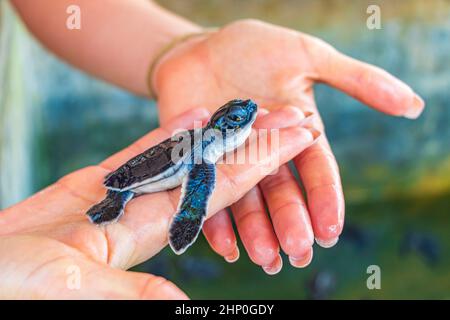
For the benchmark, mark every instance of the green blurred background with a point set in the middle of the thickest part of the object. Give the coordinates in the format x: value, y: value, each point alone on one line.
x: 396, y: 172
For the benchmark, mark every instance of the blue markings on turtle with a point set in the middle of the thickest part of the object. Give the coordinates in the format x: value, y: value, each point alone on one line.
x: 166, y: 166
x: 197, y: 188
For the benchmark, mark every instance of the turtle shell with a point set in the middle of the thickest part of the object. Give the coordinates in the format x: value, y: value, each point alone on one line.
x: 148, y: 165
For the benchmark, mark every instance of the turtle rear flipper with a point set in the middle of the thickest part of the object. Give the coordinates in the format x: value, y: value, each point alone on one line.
x: 111, y: 208
x: 188, y: 220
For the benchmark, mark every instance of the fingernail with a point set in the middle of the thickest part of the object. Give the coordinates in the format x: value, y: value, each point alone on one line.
x: 308, y: 119
x: 293, y: 113
x: 308, y: 113
x: 233, y: 257
x: 262, y: 111
x: 275, y: 267
x: 315, y: 133
x: 327, y: 243
x: 416, y: 109
x: 302, y: 261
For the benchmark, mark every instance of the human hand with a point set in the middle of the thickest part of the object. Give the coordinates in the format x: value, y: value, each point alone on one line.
x: 276, y: 67
x: 49, y: 249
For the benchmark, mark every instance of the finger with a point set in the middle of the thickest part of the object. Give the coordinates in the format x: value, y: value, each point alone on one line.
x: 256, y: 231
x: 284, y: 117
x: 320, y: 176
x: 218, y: 230
x: 238, y: 178
x: 289, y: 215
x: 367, y: 83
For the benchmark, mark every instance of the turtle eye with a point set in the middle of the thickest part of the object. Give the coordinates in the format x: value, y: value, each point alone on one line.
x: 235, y: 118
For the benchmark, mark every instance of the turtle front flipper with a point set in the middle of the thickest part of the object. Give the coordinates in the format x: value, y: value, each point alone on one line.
x: 196, y: 190
x: 111, y: 208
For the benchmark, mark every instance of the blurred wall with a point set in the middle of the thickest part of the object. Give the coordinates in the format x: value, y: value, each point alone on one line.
x: 15, y: 111
x: 55, y: 119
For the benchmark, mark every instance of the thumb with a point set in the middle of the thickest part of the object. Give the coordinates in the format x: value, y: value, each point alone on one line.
x: 40, y: 268
x: 367, y: 83
x: 110, y: 283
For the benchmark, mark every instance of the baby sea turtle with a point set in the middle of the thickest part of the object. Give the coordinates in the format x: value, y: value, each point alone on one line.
x: 188, y: 159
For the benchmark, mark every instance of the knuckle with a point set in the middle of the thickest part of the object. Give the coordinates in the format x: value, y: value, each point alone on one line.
x: 232, y: 185
x: 314, y: 155
x: 277, y: 181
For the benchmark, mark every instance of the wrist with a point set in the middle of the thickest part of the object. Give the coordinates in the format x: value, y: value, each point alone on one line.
x: 176, y: 46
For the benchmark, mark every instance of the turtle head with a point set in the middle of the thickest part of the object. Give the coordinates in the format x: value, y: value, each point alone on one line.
x: 234, y: 117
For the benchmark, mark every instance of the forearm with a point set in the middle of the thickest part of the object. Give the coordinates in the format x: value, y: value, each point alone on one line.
x: 117, y: 41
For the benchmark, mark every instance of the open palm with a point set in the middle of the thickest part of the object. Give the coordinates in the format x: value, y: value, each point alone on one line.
x: 276, y: 67
x: 49, y: 249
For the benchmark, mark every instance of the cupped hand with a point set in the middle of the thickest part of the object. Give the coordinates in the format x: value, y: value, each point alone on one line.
x: 277, y: 67
x: 49, y: 249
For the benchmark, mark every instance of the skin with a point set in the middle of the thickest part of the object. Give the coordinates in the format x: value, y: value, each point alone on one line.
x: 45, y: 237
x: 275, y: 66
